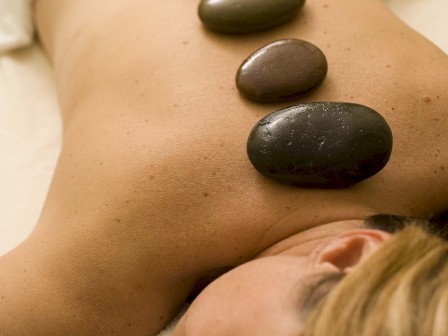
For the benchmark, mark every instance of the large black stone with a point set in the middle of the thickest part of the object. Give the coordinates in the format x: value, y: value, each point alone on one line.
x: 245, y: 16
x: 282, y: 70
x: 320, y: 145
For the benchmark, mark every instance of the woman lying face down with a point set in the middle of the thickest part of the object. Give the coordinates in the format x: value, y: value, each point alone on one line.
x: 154, y: 190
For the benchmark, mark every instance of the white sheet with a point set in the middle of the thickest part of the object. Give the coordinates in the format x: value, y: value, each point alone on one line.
x: 30, y: 130
x: 30, y: 126
x: 16, y: 24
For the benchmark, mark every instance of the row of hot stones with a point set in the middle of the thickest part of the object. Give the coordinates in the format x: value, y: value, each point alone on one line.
x: 309, y: 145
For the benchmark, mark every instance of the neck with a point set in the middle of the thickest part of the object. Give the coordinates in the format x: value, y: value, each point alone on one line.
x: 304, y: 242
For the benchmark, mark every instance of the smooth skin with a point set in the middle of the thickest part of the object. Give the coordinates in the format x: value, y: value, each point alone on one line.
x: 153, y: 188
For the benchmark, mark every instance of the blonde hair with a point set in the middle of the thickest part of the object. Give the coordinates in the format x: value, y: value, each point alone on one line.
x: 401, y: 290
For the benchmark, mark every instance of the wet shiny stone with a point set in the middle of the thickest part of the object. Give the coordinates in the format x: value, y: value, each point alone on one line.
x: 320, y: 145
x: 282, y: 70
x: 246, y: 16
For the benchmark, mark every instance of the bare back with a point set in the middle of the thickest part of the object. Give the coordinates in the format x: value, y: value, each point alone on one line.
x: 154, y: 155
x: 153, y: 95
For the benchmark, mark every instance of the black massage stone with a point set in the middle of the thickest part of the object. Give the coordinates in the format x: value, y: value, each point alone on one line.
x: 246, y: 16
x: 282, y: 70
x: 320, y: 145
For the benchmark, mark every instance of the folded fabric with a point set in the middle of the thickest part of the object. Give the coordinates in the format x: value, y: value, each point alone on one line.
x: 168, y: 331
x: 16, y: 24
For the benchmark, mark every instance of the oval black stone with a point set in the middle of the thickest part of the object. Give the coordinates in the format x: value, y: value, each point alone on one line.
x: 246, y: 16
x: 282, y: 70
x: 320, y: 145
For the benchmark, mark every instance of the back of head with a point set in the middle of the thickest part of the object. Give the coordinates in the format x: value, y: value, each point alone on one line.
x: 401, y: 290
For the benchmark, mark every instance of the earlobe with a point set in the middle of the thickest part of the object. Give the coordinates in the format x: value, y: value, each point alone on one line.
x: 345, y: 251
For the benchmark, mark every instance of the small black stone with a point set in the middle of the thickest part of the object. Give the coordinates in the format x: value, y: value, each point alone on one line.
x: 246, y: 16
x: 282, y: 70
x: 320, y: 145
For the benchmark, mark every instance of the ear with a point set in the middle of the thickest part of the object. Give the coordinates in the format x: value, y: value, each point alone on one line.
x: 347, y: 250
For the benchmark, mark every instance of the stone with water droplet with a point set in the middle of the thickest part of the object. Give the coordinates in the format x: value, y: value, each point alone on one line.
x: 282, y: 70
x: 246, y: 16
x: 320, y: 145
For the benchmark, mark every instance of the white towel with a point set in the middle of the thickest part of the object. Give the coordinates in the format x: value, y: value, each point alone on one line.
x: 16, y: 24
